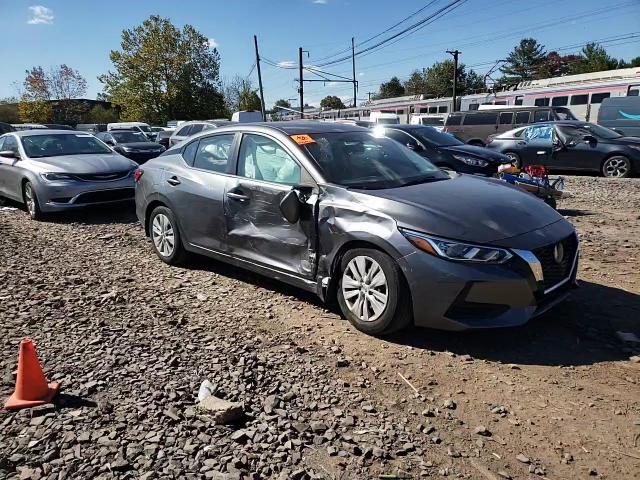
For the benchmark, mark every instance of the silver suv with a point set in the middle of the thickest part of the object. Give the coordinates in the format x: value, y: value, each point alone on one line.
x: 187, y: 129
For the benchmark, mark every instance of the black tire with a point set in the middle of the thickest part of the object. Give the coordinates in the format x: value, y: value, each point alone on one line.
x: 617, y: 166
x: 515, y: 158
x: 397, y: 313
x: 551, y: 201
x: 177, y: 254
x: 31, y: 202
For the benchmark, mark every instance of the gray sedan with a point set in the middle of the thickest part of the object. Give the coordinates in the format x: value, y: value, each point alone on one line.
x: 54, y: 170
x: 340, y: 212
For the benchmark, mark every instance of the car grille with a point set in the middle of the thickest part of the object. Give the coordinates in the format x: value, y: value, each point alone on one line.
x: 106, y: 196
x: 555, y: 272
x: 104, y: 177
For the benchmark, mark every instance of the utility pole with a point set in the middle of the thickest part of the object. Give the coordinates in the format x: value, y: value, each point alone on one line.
x: 455, y: 54
x: 301, y: 86
x: 353, y: 63
x: 370, y: 93
x: 264, y: 115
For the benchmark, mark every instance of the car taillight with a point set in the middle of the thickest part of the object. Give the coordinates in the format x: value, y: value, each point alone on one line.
x: 137, y: 174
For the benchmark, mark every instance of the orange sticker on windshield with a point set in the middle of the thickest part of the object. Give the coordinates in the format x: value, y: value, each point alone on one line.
x: 302, y: 139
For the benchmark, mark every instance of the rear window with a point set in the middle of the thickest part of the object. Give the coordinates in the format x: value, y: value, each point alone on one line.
x: 481, y: 118
x: 598, y: 97
x: 506, y: 118
x: 541, y: 116
x: 454, y: 119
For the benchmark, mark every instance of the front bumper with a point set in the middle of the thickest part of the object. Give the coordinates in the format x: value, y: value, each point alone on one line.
x: 461, y: 296
x: 64, y: 195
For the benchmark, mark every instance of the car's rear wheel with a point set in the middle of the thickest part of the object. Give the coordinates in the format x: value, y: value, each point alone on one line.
x: 31, y: 201
x: 370, y: 292
x: 617, y: 166
x: 515, y: 158
x: 165, y: 236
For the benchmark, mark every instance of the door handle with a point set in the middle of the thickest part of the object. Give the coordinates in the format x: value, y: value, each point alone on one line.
x: 541, y: 152
x: 521, y: 143
x: 173, y: 181
x: 237, y: 196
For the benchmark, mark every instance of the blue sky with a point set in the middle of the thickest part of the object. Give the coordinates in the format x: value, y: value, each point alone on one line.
x: 81, y: 33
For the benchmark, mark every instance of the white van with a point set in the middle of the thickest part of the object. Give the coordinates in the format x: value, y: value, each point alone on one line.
x: 435, y: 121
x: 384, y: 118
x: 247, y: 116
x: 141, y: 127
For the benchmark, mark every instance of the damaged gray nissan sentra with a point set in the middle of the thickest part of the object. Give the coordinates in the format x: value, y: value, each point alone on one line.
x: 337, y: 211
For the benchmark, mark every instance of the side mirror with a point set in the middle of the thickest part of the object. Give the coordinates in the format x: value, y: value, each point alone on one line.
x: 590, y: 139
x: 9, y: 154
x: 415, y: 147
x: 290, y: 206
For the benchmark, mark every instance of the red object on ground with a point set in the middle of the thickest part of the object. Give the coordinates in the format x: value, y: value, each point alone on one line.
x: 32, y: 388
x: 539, y: 171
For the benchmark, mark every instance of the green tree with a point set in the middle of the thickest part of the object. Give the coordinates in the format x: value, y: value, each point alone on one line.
x: 332, y: 102
x: 162, y: 73
x: 35, y: 111
x: 525, y: 62
x: 281, y: 103
x: 438, y: 80
x: 249, y: 100
x: 634, y: 62
x: 416, y: 85
x: 390, y: 89
x: 9, y: 110
x: 594, y: 58
x: 100, y: 114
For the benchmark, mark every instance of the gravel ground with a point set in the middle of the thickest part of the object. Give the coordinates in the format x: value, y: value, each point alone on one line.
x: 132, y: 339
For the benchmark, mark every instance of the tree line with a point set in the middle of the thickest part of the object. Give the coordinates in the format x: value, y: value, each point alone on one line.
x: 529, y: 60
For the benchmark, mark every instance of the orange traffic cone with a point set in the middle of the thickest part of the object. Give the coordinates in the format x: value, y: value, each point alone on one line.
x: 31, y: 385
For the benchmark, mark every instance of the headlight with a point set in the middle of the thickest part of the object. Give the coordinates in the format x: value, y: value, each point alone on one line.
x: 474, y: 162
x: 52, y: 177
x: 456, y: 251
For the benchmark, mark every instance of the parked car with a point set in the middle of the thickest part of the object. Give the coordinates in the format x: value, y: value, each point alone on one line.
x: 359, y: 123
x: 92, y: 127
x: 163, y: 137
x: 187, y: 129
x: 385, y: 118
x: 477, y: 127
x: 571, y: 145
x: 141, y: 127
x: 58, y: 126
x: 335, y: 210
x: 621, y: 114
x: 131, y: 144
x: 444, y: 150
x: 5, y: 128
x: 436, y: 121
x: 55, y: 170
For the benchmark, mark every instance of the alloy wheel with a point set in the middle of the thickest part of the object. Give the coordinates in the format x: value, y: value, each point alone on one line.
x: 364, y: 288
x: 163, y: 235
x: 616, y: 167
x: 29, y: 199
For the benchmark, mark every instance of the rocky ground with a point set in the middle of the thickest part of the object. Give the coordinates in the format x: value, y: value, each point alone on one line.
x: 132, y: 339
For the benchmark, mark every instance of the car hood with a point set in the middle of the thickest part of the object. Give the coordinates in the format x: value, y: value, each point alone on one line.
x: 465, y: 207
x: 93, y: 163
x: 481, y: 152
x: 141, y: 145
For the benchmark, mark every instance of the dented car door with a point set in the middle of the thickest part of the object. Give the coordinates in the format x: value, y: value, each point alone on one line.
x: 256, y: 228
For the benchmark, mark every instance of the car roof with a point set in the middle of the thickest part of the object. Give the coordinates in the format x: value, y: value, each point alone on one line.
x: 47, y: 131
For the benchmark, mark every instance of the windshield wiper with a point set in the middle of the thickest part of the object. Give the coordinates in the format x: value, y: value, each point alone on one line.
x: 418, y: 181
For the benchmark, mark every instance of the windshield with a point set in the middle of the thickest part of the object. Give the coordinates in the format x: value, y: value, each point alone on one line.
x: 144, y: 128
x: 434, y: 137
x: 55, y: 144
x: 360, y: 160
x: 128, y: 137
x: 576, y: 132
x: 564, y: 114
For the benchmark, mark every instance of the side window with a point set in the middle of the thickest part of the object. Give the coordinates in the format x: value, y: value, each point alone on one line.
x: 481, y: 118
x: 522, y: 117
x: 542, y: 134
x: 263, y: 159
x: 454, y: 119
x: 213, y: 153
x: 519, y: 100
x: 10, y: 143
x: 442, y: 109
x: 189, y: 153
x: 1, y: 143
x: 506, y: 118
x: 196, y: 128
x: 633, y: 92
x: 541, y: 102
x: 579, y: 99
x: 433, y: 109
x: 559, y: 101
x: 598, y: 97
x: 184, y: 131
x: 540, y: 116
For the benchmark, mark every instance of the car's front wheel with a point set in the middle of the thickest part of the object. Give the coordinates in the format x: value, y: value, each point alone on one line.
x: 515, y: 159
x: 31, y: 201
x: 617, y: 166
x: 165, y: 236
x: 370, y: 292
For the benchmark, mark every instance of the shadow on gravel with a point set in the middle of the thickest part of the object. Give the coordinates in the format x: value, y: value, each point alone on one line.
x: 580, y: 331
x: 570, y: 212
x: 64, y: 400
x: 124, y: 212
